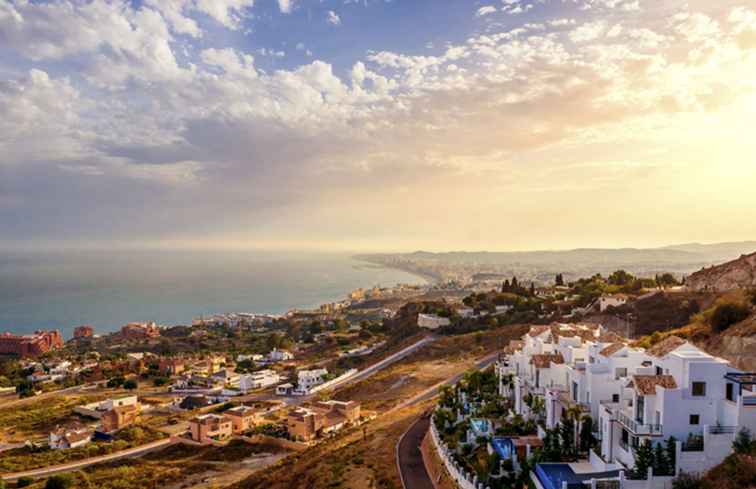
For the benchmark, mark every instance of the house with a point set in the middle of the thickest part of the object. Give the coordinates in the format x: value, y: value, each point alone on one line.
x: 194, y: 402
x: 277, y: 355
x: 226, y: 377
x: 633, y: 395
x: 119, y: 417
x: 307, y: 379
x: 466, y: 312
x: 210, y: 427
x: 251, y: 358
x: 611, y: 300
x: 258, y: 380
x: 432, y: 321
x: 285, y: 389
x: 324, y: 417
x: 69, y: 437
x: 171, y: 366
x: 97, y: 409
x: 242, y: 418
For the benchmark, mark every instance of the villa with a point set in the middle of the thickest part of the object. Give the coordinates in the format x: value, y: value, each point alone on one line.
x: 633, y: 395
x: 209, y: 428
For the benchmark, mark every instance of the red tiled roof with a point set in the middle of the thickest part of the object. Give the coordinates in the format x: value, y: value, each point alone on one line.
x: 646, y: 384
x: 612, y: 349
x: 667, y: 345
x: 545, y: 360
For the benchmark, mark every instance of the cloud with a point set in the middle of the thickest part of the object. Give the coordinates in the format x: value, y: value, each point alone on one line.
x: 333, y: 18
x: 177, y: 131
x: 486, y: 10
x: 286, y: 6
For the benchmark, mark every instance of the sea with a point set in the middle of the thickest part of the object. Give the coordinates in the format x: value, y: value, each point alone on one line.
x: 65, y: 289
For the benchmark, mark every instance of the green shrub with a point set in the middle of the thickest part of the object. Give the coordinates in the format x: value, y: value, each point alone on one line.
x: 24, y: 481
x: 727, y: 314
x: 63, y: 481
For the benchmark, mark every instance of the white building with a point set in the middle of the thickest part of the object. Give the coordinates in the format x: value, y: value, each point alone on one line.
x: 671, y: 390
x: 432, y: 321
x: 70, y: 437
x: 97, y: 409
x: 255, y: 357
x: 277, y: 355
x: 614, y: 300
x: 258, y: 380
x: 307, y: 379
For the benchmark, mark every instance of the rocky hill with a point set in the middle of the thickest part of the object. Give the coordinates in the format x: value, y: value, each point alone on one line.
x: 737, y: 274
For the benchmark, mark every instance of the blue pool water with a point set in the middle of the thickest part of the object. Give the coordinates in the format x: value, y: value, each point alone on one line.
x: 480, y: 425
x: 504, y: 447
x: 551, y: 476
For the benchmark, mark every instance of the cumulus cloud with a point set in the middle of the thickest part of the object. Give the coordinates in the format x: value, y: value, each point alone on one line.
x: 486, y: 10
x: 143, y: 121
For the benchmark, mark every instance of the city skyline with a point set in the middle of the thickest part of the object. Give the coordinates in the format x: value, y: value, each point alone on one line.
x: 376, y: 125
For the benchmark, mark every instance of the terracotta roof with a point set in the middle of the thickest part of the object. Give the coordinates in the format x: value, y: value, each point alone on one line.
x: 545, y: 360
x: 609, y: 337
x: 537, y: 330
x: 646, y: 384
x: 667, y: 345
x: 612, y: 349
x: 76, y: 436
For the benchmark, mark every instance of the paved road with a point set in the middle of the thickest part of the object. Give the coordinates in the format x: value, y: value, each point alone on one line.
x: 411, y: 465
x: 132, y: 452
x: 413, y: 473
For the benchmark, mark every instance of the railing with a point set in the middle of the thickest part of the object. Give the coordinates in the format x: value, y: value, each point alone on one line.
x: 693, y: 446
x: 722, y: 430
x: 638, y: 428
x: 749, y: 401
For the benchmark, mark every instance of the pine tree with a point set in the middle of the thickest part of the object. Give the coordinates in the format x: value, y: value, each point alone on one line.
x: 586, y: 434
x: 532, y: 289
x: 661, y: 467
x: 506, y: 287
x: 559, y: 280
x: 515, y: 285
x: 567, y: 435
x: 671, y: 455
x: 644, y: 458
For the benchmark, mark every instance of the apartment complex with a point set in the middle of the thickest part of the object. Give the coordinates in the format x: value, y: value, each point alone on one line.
x: 83, y: 332
x: 138, y: 331
x: 673, y: 389
x: 33, y: 345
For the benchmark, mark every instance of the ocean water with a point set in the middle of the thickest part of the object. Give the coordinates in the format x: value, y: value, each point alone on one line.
x: 108, y: 289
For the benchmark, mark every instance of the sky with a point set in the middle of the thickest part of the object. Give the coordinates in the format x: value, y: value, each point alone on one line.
x: 376, y: 124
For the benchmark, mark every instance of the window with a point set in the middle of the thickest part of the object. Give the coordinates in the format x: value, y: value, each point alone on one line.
x: 615, y: 397
x: 695, y: 419
x: 620, y: 373
x: 659, y: 370
x: 698, y: 388
x: 635, y: 441
x: 730, y: 392
x: 625, y: 439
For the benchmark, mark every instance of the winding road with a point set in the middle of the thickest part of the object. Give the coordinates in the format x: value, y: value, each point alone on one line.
x: 408, y: 456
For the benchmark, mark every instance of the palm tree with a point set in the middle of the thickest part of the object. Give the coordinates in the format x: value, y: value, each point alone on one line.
x: 575, y: 412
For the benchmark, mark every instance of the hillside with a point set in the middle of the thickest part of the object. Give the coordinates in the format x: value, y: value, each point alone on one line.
x: 739, y: 273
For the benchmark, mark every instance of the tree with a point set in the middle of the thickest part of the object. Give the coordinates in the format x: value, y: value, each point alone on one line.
x: 666, y: 280
x: 743, y: 442
x: 532, y: 289
x: 24, y: 481
x: 661, y: 467
x: 130, y: 385
x: 515, y: 285
x: 586, y: 434
x: 115, y: 382
x: 567, y: 435
x: 620, y: 277
x: 727, y: 314
x: 63, y: 481
x: 644, y: 459
x: 671, y: 450
x: 559, y: 281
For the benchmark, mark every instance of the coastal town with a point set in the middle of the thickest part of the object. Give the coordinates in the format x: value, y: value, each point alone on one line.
x: 564, y: 384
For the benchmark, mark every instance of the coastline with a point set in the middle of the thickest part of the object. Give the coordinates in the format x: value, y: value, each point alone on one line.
x: 428, y: 277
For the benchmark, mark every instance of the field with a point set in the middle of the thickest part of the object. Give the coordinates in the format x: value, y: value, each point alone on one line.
x: 179, y: 466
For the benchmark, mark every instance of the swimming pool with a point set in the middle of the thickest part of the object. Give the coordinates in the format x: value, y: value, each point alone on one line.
x: 551, y: 476
x: 479, y: 425
x: 504, y: 447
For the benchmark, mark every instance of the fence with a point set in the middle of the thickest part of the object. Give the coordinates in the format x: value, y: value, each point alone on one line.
x: 457, y: 473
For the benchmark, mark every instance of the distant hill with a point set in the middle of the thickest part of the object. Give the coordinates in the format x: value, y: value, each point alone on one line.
x: 680, y: 259
x: 736, y: 274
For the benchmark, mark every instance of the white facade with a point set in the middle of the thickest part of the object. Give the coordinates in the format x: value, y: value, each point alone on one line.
x: 258, y: 380
x: 671, y: 390
x: 611, y: 301
x: 277, y: 355
x: 308, y: 379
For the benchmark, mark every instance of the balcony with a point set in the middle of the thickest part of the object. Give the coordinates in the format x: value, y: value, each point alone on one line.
x: 636, y: 427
